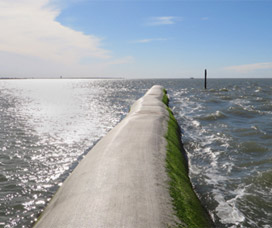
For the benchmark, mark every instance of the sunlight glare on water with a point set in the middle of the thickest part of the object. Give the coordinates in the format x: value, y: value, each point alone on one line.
x: 46, y: 127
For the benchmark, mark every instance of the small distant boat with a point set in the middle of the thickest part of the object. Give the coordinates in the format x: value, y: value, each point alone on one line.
x: 192, y: 78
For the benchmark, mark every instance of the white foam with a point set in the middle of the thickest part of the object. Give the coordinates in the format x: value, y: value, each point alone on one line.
x: 214, y: 178
x: 201, y: 141
x: 227, y: 166
x: 227, y: 210
x: 196, y: 123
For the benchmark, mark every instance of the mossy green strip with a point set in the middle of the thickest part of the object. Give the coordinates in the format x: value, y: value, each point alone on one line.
x: 186, y: 204
x: 165, y: 98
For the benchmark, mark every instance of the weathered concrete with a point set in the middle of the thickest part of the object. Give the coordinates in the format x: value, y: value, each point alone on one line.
x: 122, y: 181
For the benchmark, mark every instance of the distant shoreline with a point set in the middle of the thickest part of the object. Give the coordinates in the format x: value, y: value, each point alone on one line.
x: 11, y: 78
x: 112, y: 78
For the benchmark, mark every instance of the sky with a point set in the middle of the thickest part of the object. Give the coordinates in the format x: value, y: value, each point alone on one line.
x: 136, y: 38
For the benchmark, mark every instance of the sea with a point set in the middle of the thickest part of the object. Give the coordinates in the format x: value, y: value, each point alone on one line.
x: 48, y: 125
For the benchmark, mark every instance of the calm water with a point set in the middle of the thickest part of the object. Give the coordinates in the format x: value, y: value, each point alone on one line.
x: 47, y: 126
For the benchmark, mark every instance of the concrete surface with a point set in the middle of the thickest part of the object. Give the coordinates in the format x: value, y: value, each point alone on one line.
x: 122, y: 181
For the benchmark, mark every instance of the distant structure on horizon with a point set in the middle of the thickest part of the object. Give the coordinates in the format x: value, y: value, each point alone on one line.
x: 205, y: 80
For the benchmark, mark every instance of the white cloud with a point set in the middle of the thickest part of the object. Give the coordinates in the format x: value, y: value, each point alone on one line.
x: 166, y: 20
x: 250, y: 67
x: 29, y: 28
x: 149, y: 40
x: 204, y: 18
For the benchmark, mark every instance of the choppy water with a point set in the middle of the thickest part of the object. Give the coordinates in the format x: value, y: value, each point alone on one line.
x: 47, y: 126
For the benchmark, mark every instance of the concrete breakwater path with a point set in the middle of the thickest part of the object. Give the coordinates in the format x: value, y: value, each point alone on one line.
x: 123, y: 181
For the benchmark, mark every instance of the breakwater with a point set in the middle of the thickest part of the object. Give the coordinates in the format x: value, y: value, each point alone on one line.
x: 123, y: 182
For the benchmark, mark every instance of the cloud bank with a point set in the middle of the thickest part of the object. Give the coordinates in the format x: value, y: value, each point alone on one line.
x: 29, y: 27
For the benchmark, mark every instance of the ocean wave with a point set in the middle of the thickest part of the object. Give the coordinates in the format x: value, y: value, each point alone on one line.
x: 265, y: 107
x: 213, y: 116
x: 258, y: 198
x: 254, y: 163
x: 250, y: 131
x: 252, y: 148
x: 226, y: 97
x: 218, y: 90
x: 223, y: 90
x: 243, y: 111
x: 227, y: 209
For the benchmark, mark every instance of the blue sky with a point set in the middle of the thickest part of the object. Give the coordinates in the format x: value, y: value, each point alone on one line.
x: 136, y: 38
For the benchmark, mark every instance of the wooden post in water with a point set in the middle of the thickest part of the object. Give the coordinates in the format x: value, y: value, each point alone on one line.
x: 205, y: 81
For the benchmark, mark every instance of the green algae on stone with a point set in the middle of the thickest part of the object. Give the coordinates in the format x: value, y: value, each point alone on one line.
x: 165, y: 98
x: 186, y: 204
